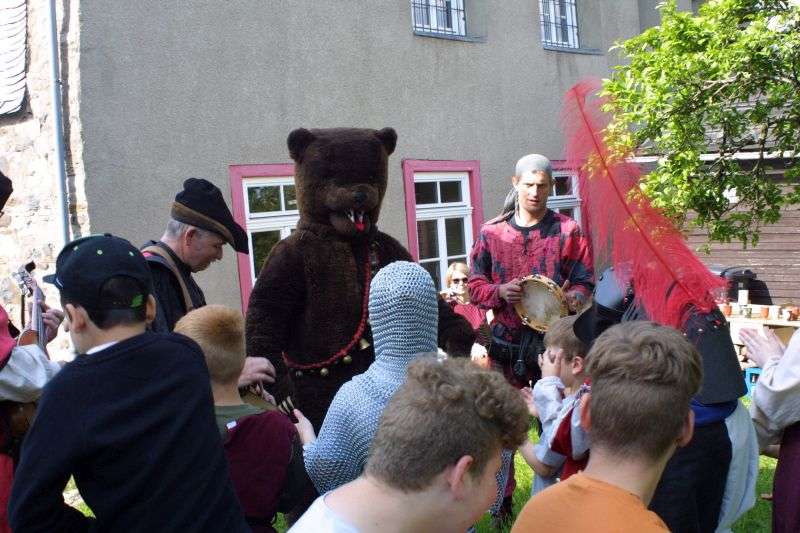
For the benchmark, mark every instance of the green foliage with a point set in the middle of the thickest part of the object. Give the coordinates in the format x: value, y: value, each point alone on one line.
x: 719, y: 83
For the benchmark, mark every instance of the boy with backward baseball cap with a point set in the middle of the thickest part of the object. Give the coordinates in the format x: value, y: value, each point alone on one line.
x: 131, y: 418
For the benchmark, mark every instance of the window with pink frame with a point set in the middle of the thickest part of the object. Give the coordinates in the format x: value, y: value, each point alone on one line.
x: 443, y: 212
x: 265, y: 205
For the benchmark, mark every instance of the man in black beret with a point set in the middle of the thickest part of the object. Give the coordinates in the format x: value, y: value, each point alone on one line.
x: 200, y: 225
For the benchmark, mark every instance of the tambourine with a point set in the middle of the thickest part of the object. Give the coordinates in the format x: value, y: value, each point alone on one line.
x: 542, y: 302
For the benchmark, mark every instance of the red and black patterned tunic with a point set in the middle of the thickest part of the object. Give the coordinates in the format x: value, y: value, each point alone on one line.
x: 555, y: 247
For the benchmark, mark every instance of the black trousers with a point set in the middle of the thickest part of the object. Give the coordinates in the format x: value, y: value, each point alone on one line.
x: 689, y: 496
x: 519, y: 361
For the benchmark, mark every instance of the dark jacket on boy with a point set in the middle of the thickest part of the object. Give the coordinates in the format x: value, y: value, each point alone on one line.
x: 134, y: 425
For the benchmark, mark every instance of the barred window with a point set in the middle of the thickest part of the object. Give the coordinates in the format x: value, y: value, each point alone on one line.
x: 442, y: 17
x: 559, y: 22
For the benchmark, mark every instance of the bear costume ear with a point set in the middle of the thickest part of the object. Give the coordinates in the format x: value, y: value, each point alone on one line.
x: 389, y: 139
x: 298, y: 141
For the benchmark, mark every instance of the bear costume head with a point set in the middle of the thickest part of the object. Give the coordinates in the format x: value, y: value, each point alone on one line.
x: 341, y: 176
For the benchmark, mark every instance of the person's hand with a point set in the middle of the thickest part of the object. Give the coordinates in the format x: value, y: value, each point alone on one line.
x: 478, y: 351
x: 761, y: 348
x: 550, y: 362
x: 52, y: 319
x: 304, y: 428
x: 259, y: 390
x: 448, y: 295
x: 511, y: 291
x: 256, y: 370
x: 527, y: 395
x: 574, y: 298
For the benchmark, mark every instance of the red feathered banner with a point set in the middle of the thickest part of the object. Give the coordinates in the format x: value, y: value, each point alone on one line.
x: 631, y: 234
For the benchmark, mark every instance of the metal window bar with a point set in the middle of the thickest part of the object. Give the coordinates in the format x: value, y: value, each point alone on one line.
x: 443, y: 17
x: 559, y: 23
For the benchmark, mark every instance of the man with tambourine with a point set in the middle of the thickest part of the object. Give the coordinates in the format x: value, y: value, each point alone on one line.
x: 529, y: 265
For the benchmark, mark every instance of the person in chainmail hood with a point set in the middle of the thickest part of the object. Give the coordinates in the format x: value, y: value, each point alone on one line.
x: 403, y: 314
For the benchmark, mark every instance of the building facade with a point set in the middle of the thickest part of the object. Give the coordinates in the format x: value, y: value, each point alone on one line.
x: 211, y: 89
x: 162, y: 91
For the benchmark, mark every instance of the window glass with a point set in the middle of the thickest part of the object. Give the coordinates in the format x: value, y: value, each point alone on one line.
x: 263, y: 241
x: 426, y: 237
x: 454, y: 233
x: 444, y: 218
x: 425, y: 192
x: 421, y: 15
x: 568, y: 211
x: 445, y: 17
x: 289, y: 198
x: 433, y: 269
x: 452, y: 260
x: 264, y: 198
x: 559, y: 23
x: 450, y: 191
x: 563, y: 185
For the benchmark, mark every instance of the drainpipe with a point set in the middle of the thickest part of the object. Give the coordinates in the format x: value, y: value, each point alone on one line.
x: 58, y: 128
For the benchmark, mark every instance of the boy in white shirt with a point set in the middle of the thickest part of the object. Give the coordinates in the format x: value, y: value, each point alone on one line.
x: 433, y: 462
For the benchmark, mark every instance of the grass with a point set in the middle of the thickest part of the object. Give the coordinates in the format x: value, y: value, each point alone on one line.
x: 759, y: 518
x: 756, y: 520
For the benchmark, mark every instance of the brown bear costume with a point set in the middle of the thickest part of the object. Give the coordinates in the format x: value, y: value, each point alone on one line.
x: 308, y: 309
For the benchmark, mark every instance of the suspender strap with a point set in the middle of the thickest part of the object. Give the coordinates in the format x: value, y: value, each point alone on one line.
x: 170, y: 263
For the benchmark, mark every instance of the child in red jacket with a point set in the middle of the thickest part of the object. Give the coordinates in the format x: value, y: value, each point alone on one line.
x: 264, y: 455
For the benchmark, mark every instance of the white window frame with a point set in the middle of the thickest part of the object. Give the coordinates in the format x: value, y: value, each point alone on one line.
x: 284, y: 220
x: 552, y: 22
x: 572, y: 200
x: 441, y: 211
x: 436, y: 9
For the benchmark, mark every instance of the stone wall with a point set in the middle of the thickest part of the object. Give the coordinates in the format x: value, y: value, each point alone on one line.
x: 30, y: 226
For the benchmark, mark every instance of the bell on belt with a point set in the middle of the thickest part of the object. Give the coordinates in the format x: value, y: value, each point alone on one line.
x: 324, y: 372
x: 298, y: 374
x: 519, y: 369
x: 347, y: 359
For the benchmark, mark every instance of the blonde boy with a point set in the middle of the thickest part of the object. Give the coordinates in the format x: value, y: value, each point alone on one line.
x: 262, y: 447
x: 219, y: 331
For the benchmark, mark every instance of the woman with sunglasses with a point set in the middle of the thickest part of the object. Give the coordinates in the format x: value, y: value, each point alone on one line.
x: 456, y: 294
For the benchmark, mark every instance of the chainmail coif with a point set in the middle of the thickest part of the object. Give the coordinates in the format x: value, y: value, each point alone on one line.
x: 403, y: 314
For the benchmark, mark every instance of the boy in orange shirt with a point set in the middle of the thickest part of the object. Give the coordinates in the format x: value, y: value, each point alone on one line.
x: 637, y: 413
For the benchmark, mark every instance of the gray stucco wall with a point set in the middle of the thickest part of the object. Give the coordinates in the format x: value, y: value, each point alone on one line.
x: 177, y: 89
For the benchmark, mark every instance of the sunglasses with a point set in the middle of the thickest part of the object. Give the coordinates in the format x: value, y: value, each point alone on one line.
x: 458, y: 280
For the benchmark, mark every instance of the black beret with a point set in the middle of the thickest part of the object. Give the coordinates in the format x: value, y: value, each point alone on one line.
x: 6, y: 189
x: 201, y: 204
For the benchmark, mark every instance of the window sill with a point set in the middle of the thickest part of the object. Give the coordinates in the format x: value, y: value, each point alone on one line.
x: 583, y: 51
x: 464, y: 38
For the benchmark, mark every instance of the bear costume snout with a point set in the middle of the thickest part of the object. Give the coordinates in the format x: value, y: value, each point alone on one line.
x: 353, y: 208
x: 341, y: 176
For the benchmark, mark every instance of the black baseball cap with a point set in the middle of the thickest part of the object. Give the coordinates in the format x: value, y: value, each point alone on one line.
x: 85, y: 265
